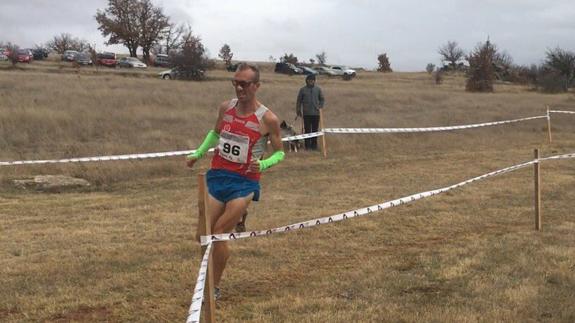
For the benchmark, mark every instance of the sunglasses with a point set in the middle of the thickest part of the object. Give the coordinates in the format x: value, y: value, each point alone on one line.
x: 242, y: 84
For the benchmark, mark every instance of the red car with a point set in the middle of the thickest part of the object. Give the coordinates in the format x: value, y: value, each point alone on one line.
x: 106, y: 59
x: 24, y: 56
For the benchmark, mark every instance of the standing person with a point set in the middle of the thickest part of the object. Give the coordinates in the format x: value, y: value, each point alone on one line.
x: 309, y: 100
x: 242, y: 130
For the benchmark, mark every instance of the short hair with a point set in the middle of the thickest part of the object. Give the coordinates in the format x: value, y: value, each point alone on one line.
x: 244, y: 66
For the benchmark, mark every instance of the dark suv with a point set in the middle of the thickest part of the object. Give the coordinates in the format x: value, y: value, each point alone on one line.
x: 287, y: 68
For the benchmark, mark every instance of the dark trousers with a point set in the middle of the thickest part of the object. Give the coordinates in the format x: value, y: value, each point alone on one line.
x: 310, y: 124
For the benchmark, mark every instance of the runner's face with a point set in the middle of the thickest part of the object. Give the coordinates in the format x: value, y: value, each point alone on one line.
x: 244, y: 85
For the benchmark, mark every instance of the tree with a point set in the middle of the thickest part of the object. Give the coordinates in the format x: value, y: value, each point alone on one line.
x: 503, y: 65
x: 384, y: 65
x: 452, y: 54
x: 481, y: 73
x: 120, y: 22
x: 65, y: 41
x: 226, y: 54
x: 561, y: 62
x: 152, y: 23
x: 288, y: 58
x: 191, y: 61
x: 430, y: 68
x: 312, y: 61
x: 172, y: 36
x: 12, y: 52
x: 321, y: 58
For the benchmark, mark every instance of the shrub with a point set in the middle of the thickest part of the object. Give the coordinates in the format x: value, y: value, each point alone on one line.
x: 481, y: 73
x: 384, y: 65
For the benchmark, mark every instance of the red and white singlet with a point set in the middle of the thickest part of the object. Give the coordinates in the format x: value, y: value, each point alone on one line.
x: 240, y: 141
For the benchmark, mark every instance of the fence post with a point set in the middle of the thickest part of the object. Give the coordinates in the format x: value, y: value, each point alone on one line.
x: 204, y: 228
x: 323, y: 144
x: 548, y: 124
x: 537, y: 179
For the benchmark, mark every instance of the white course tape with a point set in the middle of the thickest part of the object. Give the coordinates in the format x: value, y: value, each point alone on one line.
x: 303, y: 136
x: 98, y: 158
x: 198, y: 298
x: 428, y: 129
x: 559, y: 111
x: 131, y: 156
x: 360, y: 212
x: 565, y: 156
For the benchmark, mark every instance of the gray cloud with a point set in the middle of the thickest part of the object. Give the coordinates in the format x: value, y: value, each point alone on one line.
x: 350, y: 32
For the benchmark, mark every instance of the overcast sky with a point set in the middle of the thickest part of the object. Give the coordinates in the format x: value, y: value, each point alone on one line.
x: 351, y: 32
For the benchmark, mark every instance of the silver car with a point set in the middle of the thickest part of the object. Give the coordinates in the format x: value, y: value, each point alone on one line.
x: 131, y: 62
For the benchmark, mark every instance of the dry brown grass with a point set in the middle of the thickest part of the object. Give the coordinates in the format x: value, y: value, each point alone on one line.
x: 124, y: 250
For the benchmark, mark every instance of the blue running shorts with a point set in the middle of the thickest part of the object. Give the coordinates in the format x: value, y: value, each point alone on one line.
x: 225, y: 186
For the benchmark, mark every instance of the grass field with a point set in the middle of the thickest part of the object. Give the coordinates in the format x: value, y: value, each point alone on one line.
x: 124, y: 250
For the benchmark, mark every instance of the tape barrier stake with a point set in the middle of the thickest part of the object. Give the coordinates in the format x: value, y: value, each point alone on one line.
x: 548, y: 124
x: 537, y: 190
x: 323, y: 143
x: 205, y: 228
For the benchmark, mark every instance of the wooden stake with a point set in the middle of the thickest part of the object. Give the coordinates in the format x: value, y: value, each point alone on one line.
x: 548, y: 124
x: 323, y: 144
x: 537, y: 179
x: 205, y: 228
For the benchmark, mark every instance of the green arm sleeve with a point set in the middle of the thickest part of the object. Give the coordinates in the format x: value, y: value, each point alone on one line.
x: 275, y: 158
x: 210, y: 141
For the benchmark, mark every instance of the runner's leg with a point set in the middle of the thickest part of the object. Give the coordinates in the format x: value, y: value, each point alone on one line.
x: 223, y: 223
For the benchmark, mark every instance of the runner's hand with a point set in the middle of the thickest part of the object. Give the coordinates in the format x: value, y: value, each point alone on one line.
x: 191, y: 161
x: 254, y: 166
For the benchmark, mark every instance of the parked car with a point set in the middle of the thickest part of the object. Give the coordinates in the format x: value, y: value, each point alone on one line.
x: 162, y: 60
x: 308, y: 70
x: 131, y: 62
x: 106, y: 59
x: 287, y: 68
x: 4, y: 54
x: 24, y: 56
x: 324, y: 70
x: 69, y: 55
x: 84, y: 59
x: 40, y: 53
x: 181, y: 74
x: 344, y: 71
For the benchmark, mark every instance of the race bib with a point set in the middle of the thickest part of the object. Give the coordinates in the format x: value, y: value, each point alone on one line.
x: 234, y: 147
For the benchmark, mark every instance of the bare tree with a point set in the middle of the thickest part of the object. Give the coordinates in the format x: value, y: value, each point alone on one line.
x: 120, y: 23
x: 289, y: 58
x: 152, y: 22
x: 226, y: 54
x: 321, y: 58
x: 452, y: 54
x: 191, y: 61
x: 562, y: 62
x: 12, y: 53
x: 65, y: 41
x: 173, y: 36
x: 384, y: 65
